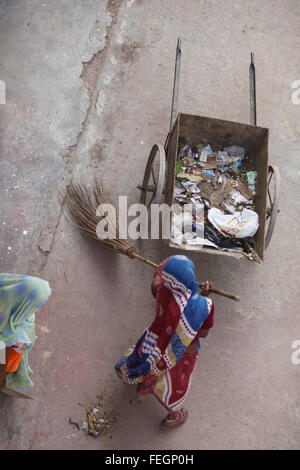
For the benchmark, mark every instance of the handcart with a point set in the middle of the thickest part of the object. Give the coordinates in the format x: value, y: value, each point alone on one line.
x: 159, y: 178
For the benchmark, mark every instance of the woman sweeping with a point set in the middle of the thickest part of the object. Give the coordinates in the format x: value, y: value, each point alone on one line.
x: 162, y: 361
x: 20, y: 297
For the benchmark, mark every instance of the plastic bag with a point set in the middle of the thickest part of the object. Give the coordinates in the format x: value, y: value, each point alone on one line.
x: 235, y: 151
x: 221, y: 242
x: 225, y: 162
x: 238, y: 199
x: 238, y: 225
x: 251, y: 180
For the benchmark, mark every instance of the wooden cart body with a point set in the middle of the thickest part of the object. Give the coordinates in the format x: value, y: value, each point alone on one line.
x: 219, y: 134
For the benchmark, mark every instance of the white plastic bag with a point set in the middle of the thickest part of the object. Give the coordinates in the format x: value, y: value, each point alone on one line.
x: 239, y: 224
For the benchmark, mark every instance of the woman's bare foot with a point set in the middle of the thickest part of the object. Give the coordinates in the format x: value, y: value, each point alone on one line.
x: 175, y: 419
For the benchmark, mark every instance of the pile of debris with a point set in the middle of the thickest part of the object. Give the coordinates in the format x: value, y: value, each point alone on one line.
x: 99, y: 421
x: 214, y: 195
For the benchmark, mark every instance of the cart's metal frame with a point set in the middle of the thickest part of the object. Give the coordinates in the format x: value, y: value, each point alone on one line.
x: 162, y: 183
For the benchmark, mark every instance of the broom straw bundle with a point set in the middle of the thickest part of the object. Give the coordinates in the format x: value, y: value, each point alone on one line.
x: 84, y: 206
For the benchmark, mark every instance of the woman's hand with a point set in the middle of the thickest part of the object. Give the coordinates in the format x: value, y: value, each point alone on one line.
x: 156, y: 279
x: 206, y: 288
x: 155, y: 283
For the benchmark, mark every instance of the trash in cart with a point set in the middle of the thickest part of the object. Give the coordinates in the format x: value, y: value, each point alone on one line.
x: 220, y: 185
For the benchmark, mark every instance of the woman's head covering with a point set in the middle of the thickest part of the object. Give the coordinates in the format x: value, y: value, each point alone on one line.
x: 182, y: 269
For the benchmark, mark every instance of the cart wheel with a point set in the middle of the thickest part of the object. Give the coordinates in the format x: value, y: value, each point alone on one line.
x: 273, y: 191
x: 154, y: 177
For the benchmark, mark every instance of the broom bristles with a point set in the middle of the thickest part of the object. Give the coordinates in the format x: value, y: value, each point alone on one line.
x: 82, y: 203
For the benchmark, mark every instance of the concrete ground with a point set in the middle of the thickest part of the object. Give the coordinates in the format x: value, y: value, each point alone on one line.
x: 88, y: 92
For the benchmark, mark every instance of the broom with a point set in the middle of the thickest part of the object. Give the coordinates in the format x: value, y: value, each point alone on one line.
x: 82, y: 205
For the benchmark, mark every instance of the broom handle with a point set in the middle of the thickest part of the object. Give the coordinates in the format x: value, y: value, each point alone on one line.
x: 213, y: 289
x: 225, y: 294
x: 145, y: 260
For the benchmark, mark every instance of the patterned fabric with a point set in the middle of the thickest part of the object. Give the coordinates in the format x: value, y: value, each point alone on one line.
x: 158, y: 362
x: 20, y: 297
x: 171, y: 387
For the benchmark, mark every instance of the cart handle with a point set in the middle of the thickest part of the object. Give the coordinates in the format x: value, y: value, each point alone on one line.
x: 252, y: 91
x: 176, y: 84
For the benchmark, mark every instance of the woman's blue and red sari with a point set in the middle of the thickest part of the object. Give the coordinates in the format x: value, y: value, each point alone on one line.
x: 158, y: 363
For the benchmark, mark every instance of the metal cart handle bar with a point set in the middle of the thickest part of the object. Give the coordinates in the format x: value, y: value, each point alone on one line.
x: 253, y: 116
x: 176, y: 84
x: 252, y: 91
